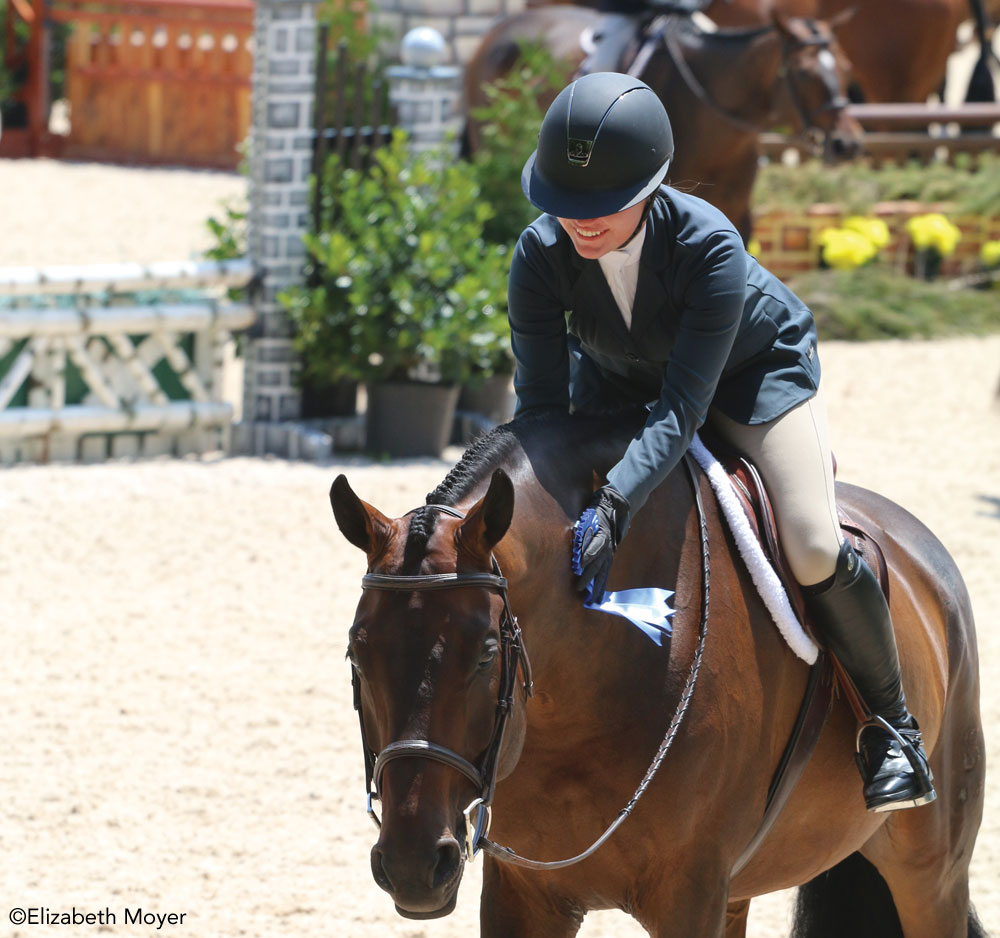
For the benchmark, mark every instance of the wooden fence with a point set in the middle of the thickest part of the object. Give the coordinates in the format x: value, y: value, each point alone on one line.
x: 116, y: 359
x: 147, y: 81
x: 923, y: 132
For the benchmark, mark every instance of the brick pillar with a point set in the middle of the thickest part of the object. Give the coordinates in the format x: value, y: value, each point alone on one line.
x: 462, y: 23
x: 426, y: 94
x: 280, y: 164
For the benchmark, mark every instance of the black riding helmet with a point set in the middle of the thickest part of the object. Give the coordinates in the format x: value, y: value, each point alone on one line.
x: 605, y: 144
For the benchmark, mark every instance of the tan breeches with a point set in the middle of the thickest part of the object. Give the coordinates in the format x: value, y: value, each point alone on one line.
x: 792, y: 454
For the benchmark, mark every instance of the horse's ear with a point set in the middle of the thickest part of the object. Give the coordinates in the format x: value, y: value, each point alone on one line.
x: 843, y: 17
x: 780, y: 22
x: 489, y: 518
x: 362, y: 525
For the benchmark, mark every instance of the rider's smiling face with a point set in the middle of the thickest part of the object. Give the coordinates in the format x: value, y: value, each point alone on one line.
x: 595, y: 237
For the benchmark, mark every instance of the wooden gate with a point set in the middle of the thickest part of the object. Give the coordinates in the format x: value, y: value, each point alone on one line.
x: 147, y: 81
x: 158, y: 81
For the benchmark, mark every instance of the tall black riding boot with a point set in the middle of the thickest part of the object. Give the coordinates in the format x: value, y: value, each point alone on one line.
x: 852, y: 617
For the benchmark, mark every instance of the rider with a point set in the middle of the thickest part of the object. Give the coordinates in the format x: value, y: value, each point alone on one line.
x: 620, y: 21
x: 665, y: 305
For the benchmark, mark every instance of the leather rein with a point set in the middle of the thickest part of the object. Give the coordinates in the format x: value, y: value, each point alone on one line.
x: 513, y: 653
x: 660, y: 31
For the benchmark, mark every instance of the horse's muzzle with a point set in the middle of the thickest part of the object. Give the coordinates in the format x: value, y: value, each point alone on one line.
x: 423, y: 884
x: 839, y: 148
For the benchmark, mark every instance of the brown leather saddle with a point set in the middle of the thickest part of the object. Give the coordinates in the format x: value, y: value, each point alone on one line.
x: 818, y: 697
x: 752, y: 493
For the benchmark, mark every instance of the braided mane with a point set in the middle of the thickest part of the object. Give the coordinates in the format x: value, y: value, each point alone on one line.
x: 485, y: 453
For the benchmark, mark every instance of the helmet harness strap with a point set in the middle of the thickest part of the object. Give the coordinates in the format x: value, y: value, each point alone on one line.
x: 642, y: 221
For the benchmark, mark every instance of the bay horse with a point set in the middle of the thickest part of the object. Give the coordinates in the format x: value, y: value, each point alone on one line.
x: 721, y: 89
x: 459, y: 592
x: 898, y: 49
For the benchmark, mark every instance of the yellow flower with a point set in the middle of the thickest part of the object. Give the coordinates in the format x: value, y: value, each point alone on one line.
x: 753, y: 248
x: 874, y: 229
x: 989, y: 253
x: 933, y: 231
x: 844, y: 249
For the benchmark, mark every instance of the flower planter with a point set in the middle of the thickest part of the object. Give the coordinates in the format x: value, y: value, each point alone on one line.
x: 493, y: 398
x: 332, y: 400
x: 788, y: 239
x: 409, y: 418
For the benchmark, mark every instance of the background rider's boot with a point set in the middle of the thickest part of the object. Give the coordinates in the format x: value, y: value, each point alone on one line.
x: 851, y: 616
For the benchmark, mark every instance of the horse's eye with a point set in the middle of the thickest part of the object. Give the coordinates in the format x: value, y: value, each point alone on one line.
x: 489, y: 653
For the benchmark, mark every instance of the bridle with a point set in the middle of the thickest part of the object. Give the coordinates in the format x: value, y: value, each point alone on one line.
x: 663, y: 30
x: 512, y: 653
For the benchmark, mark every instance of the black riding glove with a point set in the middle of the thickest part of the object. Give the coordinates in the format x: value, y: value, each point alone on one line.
x: 599, y: 531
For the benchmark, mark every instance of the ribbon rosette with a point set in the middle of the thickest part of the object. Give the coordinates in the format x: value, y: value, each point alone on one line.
x: 646, y: 608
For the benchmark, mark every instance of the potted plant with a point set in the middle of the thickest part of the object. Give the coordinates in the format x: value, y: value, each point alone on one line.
x: 406, y: 295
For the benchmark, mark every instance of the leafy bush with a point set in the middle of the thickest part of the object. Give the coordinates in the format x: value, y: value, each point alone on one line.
x: 509, y: 127
x: 973, y: 187
x: 6, y: 78
x: 872, y: 302
x: 404, y: 284
x: 229, y: 233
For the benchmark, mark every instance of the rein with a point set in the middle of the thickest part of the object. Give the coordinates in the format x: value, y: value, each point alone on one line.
x: 660, y: 33
x: 512, y: 653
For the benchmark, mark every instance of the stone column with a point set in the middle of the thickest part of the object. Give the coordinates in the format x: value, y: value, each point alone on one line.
x: 426, y: 94
x: 462, y: 23
x: 280, y: 165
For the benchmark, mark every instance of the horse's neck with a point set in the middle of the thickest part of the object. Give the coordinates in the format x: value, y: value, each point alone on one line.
x: 739, y: 73
x: 569, y: 644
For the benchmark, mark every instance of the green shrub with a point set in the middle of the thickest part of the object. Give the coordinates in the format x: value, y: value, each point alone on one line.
x: 972, y: 186
x: 509, y: 127
x: 6, y: 78
x: 229, y: 234
x: 875, y: 303
x: 403, y: 282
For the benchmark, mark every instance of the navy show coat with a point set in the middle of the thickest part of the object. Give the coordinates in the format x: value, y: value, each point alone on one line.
x: 710, y: 326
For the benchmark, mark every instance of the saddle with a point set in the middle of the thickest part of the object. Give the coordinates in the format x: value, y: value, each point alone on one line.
x: 614, y: 43
x: 756, y: 503
x: 752, y: 494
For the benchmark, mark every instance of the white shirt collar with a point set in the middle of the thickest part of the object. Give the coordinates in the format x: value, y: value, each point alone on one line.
x: 625, y: 256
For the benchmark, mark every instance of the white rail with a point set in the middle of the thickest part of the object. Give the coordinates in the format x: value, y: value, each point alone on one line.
x: 146, y: 379
x: 123, y: 278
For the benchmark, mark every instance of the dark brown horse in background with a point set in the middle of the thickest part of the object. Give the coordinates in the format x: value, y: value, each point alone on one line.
x: 436, y: 677
x: 898, y: 49
x: 720, y: 89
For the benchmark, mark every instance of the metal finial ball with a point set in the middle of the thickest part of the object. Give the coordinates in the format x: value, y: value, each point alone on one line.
x: 423, y: 47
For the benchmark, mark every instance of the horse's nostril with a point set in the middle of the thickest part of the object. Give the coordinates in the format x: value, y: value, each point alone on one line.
x: 378, y: 870
x: 449, y: 858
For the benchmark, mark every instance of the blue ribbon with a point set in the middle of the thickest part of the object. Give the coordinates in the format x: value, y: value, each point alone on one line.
x: 648, y: 609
